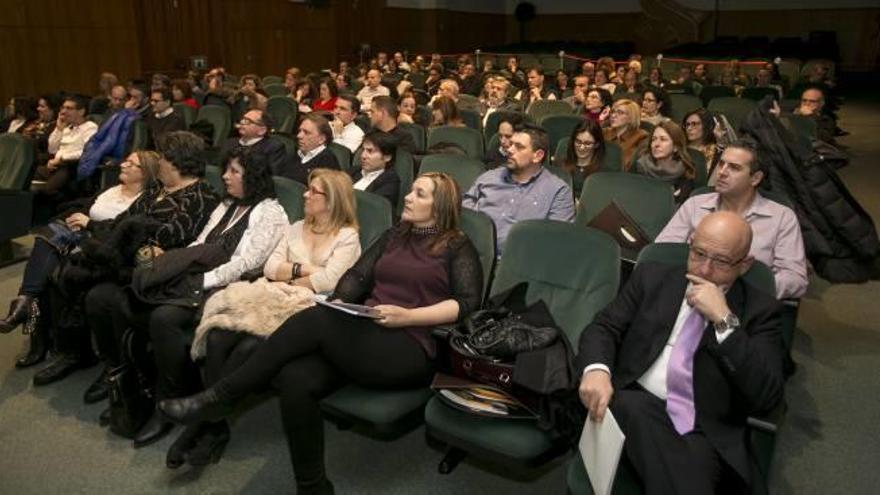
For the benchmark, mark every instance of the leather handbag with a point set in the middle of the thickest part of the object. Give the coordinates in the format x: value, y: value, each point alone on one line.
x: 501, y: 334
x: 131, y: 402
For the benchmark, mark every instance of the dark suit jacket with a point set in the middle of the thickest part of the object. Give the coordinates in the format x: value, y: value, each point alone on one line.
x: 294, y: 168
x: 735, y: 379
x: 269, y: 146
x: 386, y: 185
x: 404, y: 139
x: 159, y: 127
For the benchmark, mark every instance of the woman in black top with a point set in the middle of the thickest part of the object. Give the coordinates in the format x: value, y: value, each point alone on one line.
x: 585, y: 153
x: 423, y: 273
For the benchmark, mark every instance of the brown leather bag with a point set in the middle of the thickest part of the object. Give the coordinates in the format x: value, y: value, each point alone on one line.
x: 616, y: 222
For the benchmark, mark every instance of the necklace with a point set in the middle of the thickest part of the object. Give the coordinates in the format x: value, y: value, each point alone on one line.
x: 433, y: 229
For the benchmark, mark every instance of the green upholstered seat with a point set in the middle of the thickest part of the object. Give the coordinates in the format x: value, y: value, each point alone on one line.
x: 544, y: 108
x: 16, y: 168
x: 342, y: 154
x: 275, y: 89
x: 214, y: 177
x: 374, y: 217
x: 220, y: 117
x: 418, y: 133
x: 16, y: 160
x: 648, y: 201
x: 494, y: 119
x: 702, y: 173
x: 463, y: 169
x: 272, y: 80
x: 755, y: 93
x: 562, y: 174
x: 735, y: 109
x: 471, y: 118
x: 559, y: 127
x: 481, y: 231
x: 290, y: 195
x: 470, y: 140
x: 139, y: 136
x: 283, y: 111
x: 710, y: 92
x: 681, y: 105
x: 187, y: 112
x: 574, y: 287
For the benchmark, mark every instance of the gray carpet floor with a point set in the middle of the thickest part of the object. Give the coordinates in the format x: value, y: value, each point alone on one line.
x: 50, y: 441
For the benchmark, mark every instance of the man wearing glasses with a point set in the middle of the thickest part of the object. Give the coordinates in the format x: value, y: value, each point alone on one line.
x: 66, y: 144
x: 777, y: 235
x: 253, y: 134
x: 681, y: 358
x: 162, y: 119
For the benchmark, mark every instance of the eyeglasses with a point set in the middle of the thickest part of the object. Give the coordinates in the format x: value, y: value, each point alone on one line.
x: 155, y: 101
x: 701, y: 256
x: 584, y: 144
x: 619, y: 111
x: 246, y: 121
x: 129, y: 163
x: 312, y: 190
x: 693, y: 124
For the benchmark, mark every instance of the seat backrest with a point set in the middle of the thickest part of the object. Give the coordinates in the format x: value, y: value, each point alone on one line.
x: 187, y: 112
x: 710, y: 92
x: 559, y: 127
x: 463, y: 169
x: 471, y: 118
x: 214, y: 177
x: 481, y: 231
x: 404, y: 165
x: 681, y: 105
x: 551, y: 257
x: 275, y: 89
x: 418, y: 133
x: 702, y: 173
x: 756, y: 93
x: 139, y: 137
x: 735, y: 109
x: 647, y: 200
x: 97, y: 118
x: 221, y: 118
x: 470, y: 140
x: 625, y: 95
x: 282, y: 108
x: 494, y: 119
x: 290, y: 195
x: 374, y: 217
x: 676, y: 253
x: 544, y: 108
x: 267, y: 80
x: 342, y: 154
x: 16, y: 161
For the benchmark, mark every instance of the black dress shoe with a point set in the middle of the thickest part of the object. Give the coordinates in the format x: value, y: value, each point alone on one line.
x: 153, y: 430
x: 187, y: 440
x: 59, y: 368
x: 104, y: 418
x: 19, y: 310
x: 98, y: 390
x: 38, y: 347
x: 210, y: 445
x: 206, y: 405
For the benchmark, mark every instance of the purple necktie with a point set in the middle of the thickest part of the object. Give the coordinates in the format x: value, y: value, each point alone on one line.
x: 680, y: 374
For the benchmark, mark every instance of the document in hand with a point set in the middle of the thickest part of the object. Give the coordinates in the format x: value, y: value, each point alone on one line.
x: 352, y: 309
x: 601, y: 445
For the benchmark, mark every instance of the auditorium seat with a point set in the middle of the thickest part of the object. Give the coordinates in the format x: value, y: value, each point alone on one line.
x: 544, y: 108
x: 275, y: 89
x: 494, y: 118
x: 681, y: 105
x: 374, y: 217
x: 710, y: 92
x: 220, y: 117
x: 418, y: 133
x: 647, y: 200
x: 16, y: 160
x: 214, y: 178
x: 290, y: 195
x: 187, y: 112
x: 755, y: 93
x: 735, y: 109
x: 471, y: 118
x: 283, y: 111
x: 559, y: 127
x: 470, y: 140
x: 464, y: 170
x: 342, y: 154
x: 272, y: 80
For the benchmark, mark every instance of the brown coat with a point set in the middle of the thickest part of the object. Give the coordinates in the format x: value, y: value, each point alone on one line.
x: 629, y: 143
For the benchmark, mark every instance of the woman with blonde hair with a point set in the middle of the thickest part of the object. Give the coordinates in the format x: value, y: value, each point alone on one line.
x: 667, y: 159
x: 310, y: 258
x: 421, y: 273
x: 624, y: 129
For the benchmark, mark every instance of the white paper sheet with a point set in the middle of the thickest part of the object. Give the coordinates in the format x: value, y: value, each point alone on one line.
x: 600, y: 446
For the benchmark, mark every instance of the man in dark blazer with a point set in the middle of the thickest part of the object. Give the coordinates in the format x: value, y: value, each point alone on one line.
x: 682, y: 358
x: 376, y: 172
x: 253, y: 134
x: 312, y: 139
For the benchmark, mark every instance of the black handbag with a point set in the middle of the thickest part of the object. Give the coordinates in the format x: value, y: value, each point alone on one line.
x: 131, y: 401
x: 503, y: 334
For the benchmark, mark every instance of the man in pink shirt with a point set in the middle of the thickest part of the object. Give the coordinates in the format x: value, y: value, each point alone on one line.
x: 777, y: 240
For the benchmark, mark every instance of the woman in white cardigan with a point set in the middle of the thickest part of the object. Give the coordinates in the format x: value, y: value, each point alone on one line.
x: 310, y: 258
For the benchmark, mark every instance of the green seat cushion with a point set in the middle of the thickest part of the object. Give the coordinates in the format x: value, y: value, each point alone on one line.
x: 377, y: 407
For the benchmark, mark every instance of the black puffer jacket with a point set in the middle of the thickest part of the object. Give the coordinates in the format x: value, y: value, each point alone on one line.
x: 839, y: 236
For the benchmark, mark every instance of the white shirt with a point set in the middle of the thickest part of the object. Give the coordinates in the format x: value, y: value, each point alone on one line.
x: 68, y: 143
x: 367, y: 179
x: 654, y: 380
x: 306, y: 157
x: 351, y: 136
x: 110, y: 203
x: 250, y: 141
x: 265, y: 227
x: 161, y: 115
x: 366, y: 95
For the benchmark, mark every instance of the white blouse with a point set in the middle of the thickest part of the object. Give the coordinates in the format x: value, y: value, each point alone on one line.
x: 110, y: 203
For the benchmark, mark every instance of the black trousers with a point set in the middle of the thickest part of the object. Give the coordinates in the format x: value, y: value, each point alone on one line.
x: 226, y: 350
x: 310, y: 355
x: 111, y: 311
x: 39, y: 267
x: 665, y: 461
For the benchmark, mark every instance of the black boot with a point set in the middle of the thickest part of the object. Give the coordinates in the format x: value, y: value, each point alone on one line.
x: 99, y: 389
x: 187, y: 440
x: 38, y: 346
x: 63, y: 365
x: 19, y: 310
x: 153, y: 430
x: 210, y: 445
x: 207, y: 405
x: 320, y: 486
x: 105, y: 417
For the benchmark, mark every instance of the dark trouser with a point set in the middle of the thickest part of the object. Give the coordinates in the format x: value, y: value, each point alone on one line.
x: 44, y: 259
x: 111, y: 312
x: 226, y: 350
x: 665, y: 461
x: 313, y: 352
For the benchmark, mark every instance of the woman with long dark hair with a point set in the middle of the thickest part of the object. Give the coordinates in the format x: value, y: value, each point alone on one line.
x: 585, y: 153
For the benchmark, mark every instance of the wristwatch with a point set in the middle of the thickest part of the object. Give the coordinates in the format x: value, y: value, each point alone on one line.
x: 729, y: 322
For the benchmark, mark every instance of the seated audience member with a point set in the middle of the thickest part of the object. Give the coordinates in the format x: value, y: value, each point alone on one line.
x: 686, y: 80
x: 216, y: 92
x: 515, y: 74
x: 376, y: 173
x: 813, y: 106
x: 499, y: 155
x: 588, y: 69
x: 66, y: 144
x: 51, y: 249
x: 497, y: 98
x: 603, y: 81
x: 655, y: 106
x: 445, y: 112
x: 138, y: 98
x: 48, y: 107
x: 250, y: 94
x: 597, y: 106
x: 764, y: 79
x: 734, y: 69
x: 777, y: 235
x: 406, y: 108
x: 655, y: 78
x: 448, y: 88
x: 606, y: 64
x: 705, y: 136
x: 435, y: 77
x: 291, y: 79
x: 306, y: 94
x: 523, y: 189
x: 400, y: 62
x: 667, y: 159
x: 630, y: 83
x: 625, y: 131
x: 345, y: 131
x: 312, y: 152
x: 372, y: 89
x: 701, y: 75
x: 101, y: 101
x: 536, y: 89
x: 253, y: 135
x: 182, y: 92
x: 327, y: 94
x: 470, y: 81
x: 561, y: 83
x: 383, y: 117
x: 422, y: 273
x: 239, y: 236
x: 163, y: 119
x: 343, y: 84
x: 585, y: 154
x: 681, y: 358
x: 23, y: 117
x: 118, y: 96
x: 580, y: 86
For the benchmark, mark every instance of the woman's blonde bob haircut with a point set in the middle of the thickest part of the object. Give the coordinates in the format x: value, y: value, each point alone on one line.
x: 339, y: 193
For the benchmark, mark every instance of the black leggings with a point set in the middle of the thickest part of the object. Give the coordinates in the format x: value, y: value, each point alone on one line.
x: 313, y: 352
x: 226, y: 350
